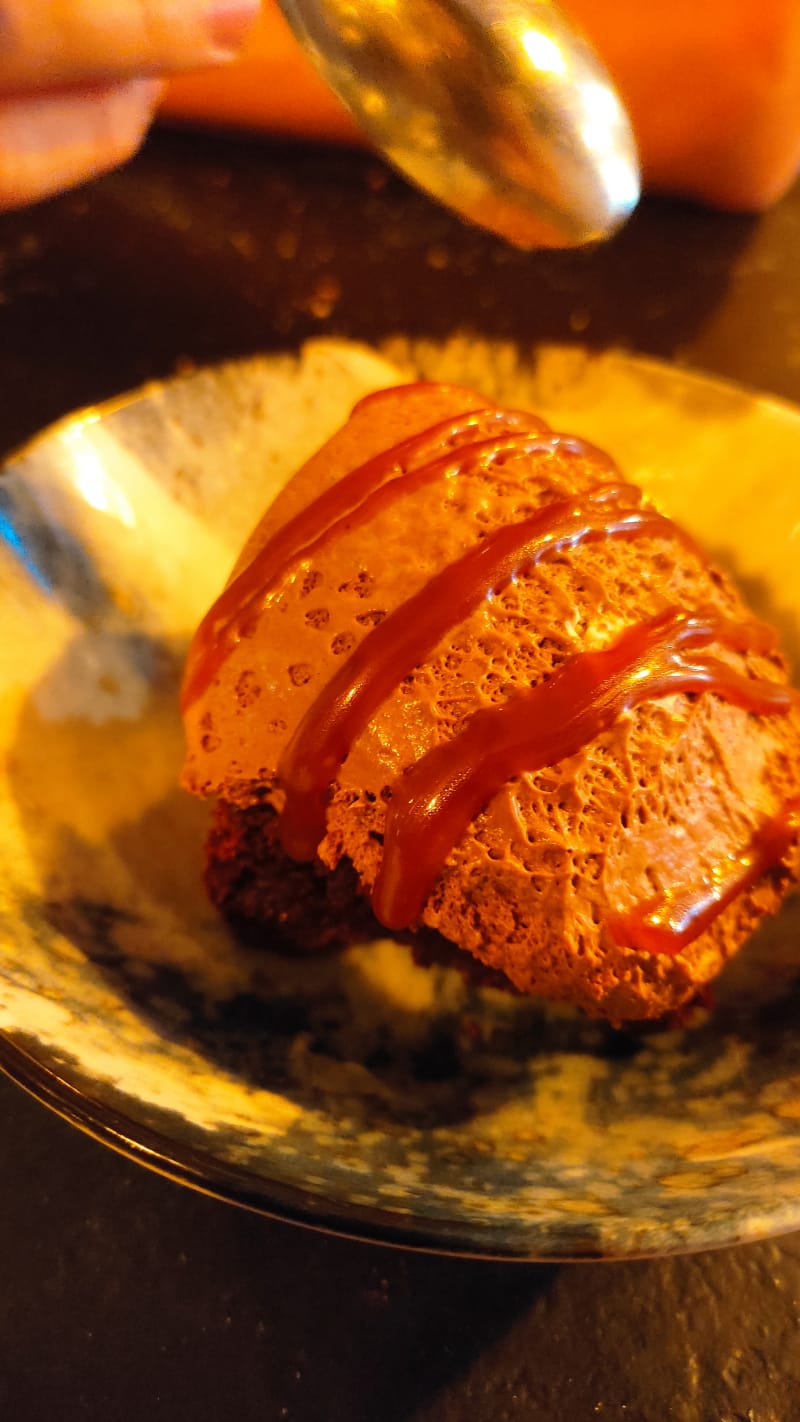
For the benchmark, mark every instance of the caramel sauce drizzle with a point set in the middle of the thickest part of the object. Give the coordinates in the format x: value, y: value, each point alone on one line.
x: 474, y: 440
x: 409, y: 634
x: 670, y: 921
x: 433, y: 803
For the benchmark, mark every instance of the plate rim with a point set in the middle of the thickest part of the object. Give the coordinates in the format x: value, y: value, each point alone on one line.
x: 194, y: 1170
x: 201, y: 1171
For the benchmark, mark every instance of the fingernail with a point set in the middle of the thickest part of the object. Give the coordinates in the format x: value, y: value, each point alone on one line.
x: 230, y: 22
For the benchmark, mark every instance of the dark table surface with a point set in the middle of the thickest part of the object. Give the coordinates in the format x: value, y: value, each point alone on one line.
x: 124, y: 1296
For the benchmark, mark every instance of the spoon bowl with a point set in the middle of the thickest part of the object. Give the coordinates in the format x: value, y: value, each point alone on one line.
x: 498, y: 108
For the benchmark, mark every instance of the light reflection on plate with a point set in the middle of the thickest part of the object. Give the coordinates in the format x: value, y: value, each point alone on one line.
x: 359, y: 1092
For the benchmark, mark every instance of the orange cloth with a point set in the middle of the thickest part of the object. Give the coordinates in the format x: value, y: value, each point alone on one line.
x: 272, y: 87
x: 713, y: 90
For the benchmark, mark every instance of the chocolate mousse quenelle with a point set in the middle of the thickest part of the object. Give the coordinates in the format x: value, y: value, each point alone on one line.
x: 464, y: 675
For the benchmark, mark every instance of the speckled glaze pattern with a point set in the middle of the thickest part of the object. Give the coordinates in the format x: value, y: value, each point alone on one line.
x: 357, y: 1092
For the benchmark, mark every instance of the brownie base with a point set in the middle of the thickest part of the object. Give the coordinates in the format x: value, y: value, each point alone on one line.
x: 300, y: 910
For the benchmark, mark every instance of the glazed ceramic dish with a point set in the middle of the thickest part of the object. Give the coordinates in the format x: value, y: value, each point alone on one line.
x: 357, y: 1093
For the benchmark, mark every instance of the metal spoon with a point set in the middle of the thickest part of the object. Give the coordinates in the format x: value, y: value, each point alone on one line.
x: 498, y: 108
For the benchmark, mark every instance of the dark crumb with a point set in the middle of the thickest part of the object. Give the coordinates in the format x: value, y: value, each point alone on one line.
x: 271, y: 902
x: 303, y: 909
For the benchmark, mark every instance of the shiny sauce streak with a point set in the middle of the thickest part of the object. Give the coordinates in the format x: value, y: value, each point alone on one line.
x: 408, y: 635
x: 462, y: 444
x: 435, y: 801
x: 670, y: 921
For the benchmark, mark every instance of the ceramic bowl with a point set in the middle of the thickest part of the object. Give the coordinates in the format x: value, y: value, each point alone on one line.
x: 358, y: 1093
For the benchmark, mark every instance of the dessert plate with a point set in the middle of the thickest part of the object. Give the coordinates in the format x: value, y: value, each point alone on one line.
x: 357, y: 1093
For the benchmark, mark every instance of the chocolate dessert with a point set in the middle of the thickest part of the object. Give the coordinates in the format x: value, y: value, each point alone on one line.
x: 464, y: 678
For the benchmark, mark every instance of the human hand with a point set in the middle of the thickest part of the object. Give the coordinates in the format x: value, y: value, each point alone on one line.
x: 80, y: 80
